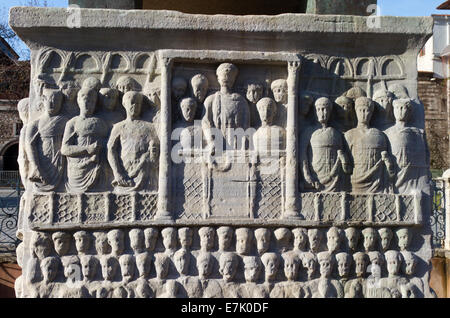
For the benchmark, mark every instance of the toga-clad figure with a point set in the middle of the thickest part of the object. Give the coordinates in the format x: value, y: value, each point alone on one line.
x: 133, y: 149
x: 225, y: 110
x: 83, y: 145
x: 373, y: 166
x: 323, y: 160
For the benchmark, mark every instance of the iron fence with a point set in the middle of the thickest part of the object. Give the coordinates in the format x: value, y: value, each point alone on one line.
x: 437, y: 220
x: 10, y: 194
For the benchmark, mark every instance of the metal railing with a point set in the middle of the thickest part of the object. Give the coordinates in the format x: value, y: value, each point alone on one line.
x: 9, y: 178
x: 437, y: 219
x: 10, y: 195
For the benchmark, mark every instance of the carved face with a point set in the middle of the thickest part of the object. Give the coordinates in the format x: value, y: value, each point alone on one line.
x: 344, y: 266
x: 290, y: 268
x: 61, y: 244
x: 137, y: 241
x: 385, y: 101
x: 402, y: 110
x: 226, y: 75
x: 323, y: 111
x: 144, y: 265
x: 162, y: 269
x: 126, y: 84
x: 87, y: 100
x: 385, y: 238
x: 375, y: 270
x: 225, y: 239
x: 49, y: 269
x: 271, y: 268
x: 170, y: 239
x: 267, y: 111
x: 109, y: 268
x: 82, y: 242
x: 251, y: 271
x: 199, y: 86
x: 127, y: 267
x: 150, y: 238
x: 185, y: 238
x: 52, y: 102
x: 310, y: 264
x: 243, y: 243
x: 333, y: 240
x: 101, y: 244
x: 314, y: 237
x: 364, y: 114
x: 115, y: 240
x: 352, y: 236
x: 204, y: 268
x: 88, y: 268
x: 369, y: 240
x: 325, y: 268
x: 132, y: 101
x: 280, y: 93
x: 254, y: 93
x: 263, y: 242
x: 409, y: 266
x: 300, y: 239
x: 108, y: 98
x: 403, y: 237
x: 188, y: 108
x: 344, y: 108
x: 393, y: 265
x: 207, y: 239
x: 72, y: 270
x: 228, y: 270
x: 182, y: 261
x: 42, y: 248
x: 360, y: 266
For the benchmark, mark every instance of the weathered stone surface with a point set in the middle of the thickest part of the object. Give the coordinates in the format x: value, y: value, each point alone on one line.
x: 223, y: 145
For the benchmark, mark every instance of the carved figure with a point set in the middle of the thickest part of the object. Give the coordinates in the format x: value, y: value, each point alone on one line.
x: 290, y: 288
x: 144, y: 265
x: 82, y: 242
x: 344, y: 261
x: 126, y: 84
x: 383, y: 118
x: 300, y: 239
x: 228, y: 263
x: 191, y: 134
x: 404, y: 237
x: 89, y: 266
x: 373, y: 166
x: 271, y: 263
x: 185, y: 237
x: 137, y: 240
x: 309, y: 262
x: 352, y: 235
x: 244, y: 239
x: 361, y: 261
x: 162, y: 270
x: 199, y: 87
x: 127, y: 266
x: 23, y: 107
x: 70, y: 90
x: 254, y: 94
x: 151, y: 235
x: 169, y: 236
x: 370, y: 238
x: 252, y: 271
x: 315, y: 239
x: 206, y: 238
x: 101, y: 243
x: 345, y: 114
x: 262, y: 236
x: 61, y: 243
x: 385, y: 238
x: 279, y: 89
x: 225, y: 237
x: 333, y: 239
x: 325, y: 286
x: 108, y: 99
x: 116, y: 241
x: 210, y: 287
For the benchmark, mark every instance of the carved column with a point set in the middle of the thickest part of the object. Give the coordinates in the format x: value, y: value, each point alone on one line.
x: 165, y: 128
x: 291, y: 207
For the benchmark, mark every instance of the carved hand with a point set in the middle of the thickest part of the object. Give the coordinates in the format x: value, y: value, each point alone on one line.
x: 93, y: 149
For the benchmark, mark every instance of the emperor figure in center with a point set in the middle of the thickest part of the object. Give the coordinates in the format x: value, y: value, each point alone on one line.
x: 225, y: 110
x: 324, y: 163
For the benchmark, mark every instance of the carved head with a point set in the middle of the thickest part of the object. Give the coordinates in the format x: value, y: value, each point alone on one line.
x: 402, y: 109
x: 161, y: 265
x: 262, y: 236
x: 82, y: 241
x: 132, y: 102
x: 127, y: 84
x: 89, y: 266
x: 144, y: 264
x: 226, y: 75
x: 116, y: 241
x: 283, y: 237
x: 315, y: 238
x: 244, y: 240
x: 323, y: 107
x: 333, y: 239
x: 375, y: 270
x: 61, y: 242
x: 185, y: 237
x: 153, y: 92
x: 169, y: 235
x: 370, y: 238
x: 344, y: 107
x: 52, y: 100
x: 306, y: 102
x: 326, y: 262
x: 291, y: 265
x: 300, y: 238
x: 179, y: 86
x: 41, y: 244
x: 361, y: 261
x: 225, y: 237
x: 182, y: 261
x: 188, y: 107
x: 91, y: 83
x: 385, y: 237
x: 254, y: 91
x: 252, y: 268
x: 279, y: 89
x: 354, y: 93
x: 206, y: 238
x: 151, y: 235
x: 70, y: 90
x: 309, y: 262
x: 393, y: 261
x: 72, y: 268
x: 101, y: 243
x: 376, y: 258
x: 109, y: 266
x: 204, y: 265
x: 409, y: 263
x: 228, y: 263
x: 344, y: 261
x: 352, y: 236
x: 87, y: 101
x: 199, y: 87
x: 127, y: 266
x: 49, y: 268
x: 384, y: 98
x: 404, y: 238
x: 399, y: 91
x: 108, y: 98
x: 271, y: 263
x: 137, y: 240
x: 24, y: 107
x: 364, y: 110
x: 267, y: 110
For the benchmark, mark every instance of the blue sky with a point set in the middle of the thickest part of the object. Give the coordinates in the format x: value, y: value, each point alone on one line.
x: 387, y: 7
